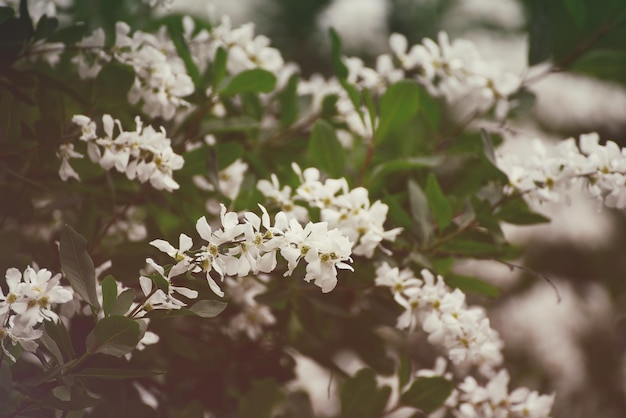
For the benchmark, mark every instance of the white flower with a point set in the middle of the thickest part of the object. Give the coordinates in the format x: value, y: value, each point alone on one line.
x: 231, y: 177
x: 183, y: 261
x: 33, y: 297
x: 91, y: 55
x: 145, y: 154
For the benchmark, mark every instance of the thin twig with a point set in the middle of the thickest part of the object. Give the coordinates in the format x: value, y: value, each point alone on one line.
x: 532, y: 272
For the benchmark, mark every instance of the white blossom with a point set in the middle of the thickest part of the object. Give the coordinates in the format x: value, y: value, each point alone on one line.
x: 145, y: 154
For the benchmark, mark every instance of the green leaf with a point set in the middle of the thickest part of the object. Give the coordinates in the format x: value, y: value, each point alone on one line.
x: 404, y: 370
x: 109, y: 294
x: 439, y: 205
x: 115, y: 374
x: 123, y: 302
x: 259, y: 401
x: 58, y: 332
x: 353, y: 95
x: 160, y: 282
x: 340, y: 68
x: 208, y: 308
x: 517, y: 212
x: 219, y: 66
x: 250, y: 81
x: 420, y: 212
x: 540, y: 35
x: 113, y: 83
x: 325, y: 150
x: 398, y: 105
x: 472, y: 284
x: 78, y: 266
x: 604, y: 64
x: 360, y: 396
x: 427, y: 393
x: 175, y: 29
x: 288, y: 99
x: 52, y: 347
x: 380, y: 171
x: 115, y: 336
x: 46, y: 27
x: 577, y: 10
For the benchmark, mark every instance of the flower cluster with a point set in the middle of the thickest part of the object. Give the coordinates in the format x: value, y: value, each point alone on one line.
x: 145, y: 154
x: 454, y: 71
x: 550, y: 172
x: 494, y: 400
x: 28, y: 302
x: 240, y: 248
x: 464, y: 332
x: 161, y: 80
x: 350, y: 211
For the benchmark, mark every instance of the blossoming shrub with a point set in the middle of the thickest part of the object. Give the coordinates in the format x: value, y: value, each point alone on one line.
x: 328, y: 213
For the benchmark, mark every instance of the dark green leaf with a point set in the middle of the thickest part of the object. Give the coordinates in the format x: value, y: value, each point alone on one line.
x: 26, y: 19
x: 115, y: 336
x: 58, y: 332
x: 160, y: 282
x: 219, y: 66
x: 46, y: 27
x: 540, y: 36
x: 288, y: 99
x: 78, y: 266
x: 208, y: 308
x: 325, y: 150
x: 353, y: 94
x: 420, y: 212
x: 250, y: 81
x: 517, y: 212
x: 427, y: 393
x: 113, y: 83
x: 340, y: 68
x: 404, y: 370
x: 109, y: 294
x: 360, y: 396
x: 398, y: 105
x: 472, y: 284
x: 604, y: 64
x: 70, y: 34
x: 123, y: 302
x: 115, y: 374
x: 52, y: 347
x: 175, y: 29
x: 259, y: 401
x: 379, y: 172
x: 439, y: 205
x: 577, y: 10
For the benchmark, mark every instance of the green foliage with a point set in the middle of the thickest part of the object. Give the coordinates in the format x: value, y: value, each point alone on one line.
x: 427, y: 393
x: 361, y: 396
x: 115, y: 336
x: 254, y: 81
x: 78, y: 266
x: 397, y: 106
x: 325, y: 150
